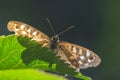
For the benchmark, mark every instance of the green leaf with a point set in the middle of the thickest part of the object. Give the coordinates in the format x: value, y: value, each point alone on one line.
x: 28, y: 74
x: 22, y: 53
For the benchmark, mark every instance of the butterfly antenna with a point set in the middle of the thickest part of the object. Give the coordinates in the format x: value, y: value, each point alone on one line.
x: 51, y: 26
x: 65, y: 30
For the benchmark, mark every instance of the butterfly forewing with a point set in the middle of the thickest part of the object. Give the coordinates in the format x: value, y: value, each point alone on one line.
x: 22, y: 29
x: 79, y: 57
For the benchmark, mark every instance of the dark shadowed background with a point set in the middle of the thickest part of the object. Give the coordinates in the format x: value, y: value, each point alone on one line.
x: 97, y: 27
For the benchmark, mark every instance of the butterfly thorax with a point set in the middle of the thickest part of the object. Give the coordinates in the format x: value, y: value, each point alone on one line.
x: 54, y: 42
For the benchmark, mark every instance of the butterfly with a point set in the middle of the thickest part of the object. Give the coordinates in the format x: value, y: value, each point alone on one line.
x: 76, y: 56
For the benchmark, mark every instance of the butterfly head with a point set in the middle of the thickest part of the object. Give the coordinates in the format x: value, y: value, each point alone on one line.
x: 55, y: 38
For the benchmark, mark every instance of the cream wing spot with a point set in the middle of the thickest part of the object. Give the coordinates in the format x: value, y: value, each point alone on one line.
x: 34, y: 33
x: 29, y: 30
x: 80, y: 62
x: 16, y: 29
x: 89, y: 60
x: 36, y: 39
x: 87, y: 53
x: 74, y: 50
x: 82, y: 57
x: 80, y: 51
x: 22, y: 26
x: 14, y: 26
x: 24, y: 32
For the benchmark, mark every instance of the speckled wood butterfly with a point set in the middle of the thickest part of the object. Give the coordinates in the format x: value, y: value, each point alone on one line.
x: 77, y: 56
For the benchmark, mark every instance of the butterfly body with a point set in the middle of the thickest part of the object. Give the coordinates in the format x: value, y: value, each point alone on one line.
x: 77, y: 56
x: 54, y: 42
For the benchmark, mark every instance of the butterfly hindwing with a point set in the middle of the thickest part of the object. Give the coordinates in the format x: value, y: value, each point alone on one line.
x: 22, y: 29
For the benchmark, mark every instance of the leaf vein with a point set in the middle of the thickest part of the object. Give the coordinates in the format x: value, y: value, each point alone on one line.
x: 7, y: 55
x: 17, y: 64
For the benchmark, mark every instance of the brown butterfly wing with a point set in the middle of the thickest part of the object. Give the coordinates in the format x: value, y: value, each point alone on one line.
x: 79, y: 57
x: 22, y: 29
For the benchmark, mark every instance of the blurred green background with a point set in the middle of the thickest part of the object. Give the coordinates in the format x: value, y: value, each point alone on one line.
x: 97, y: 27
